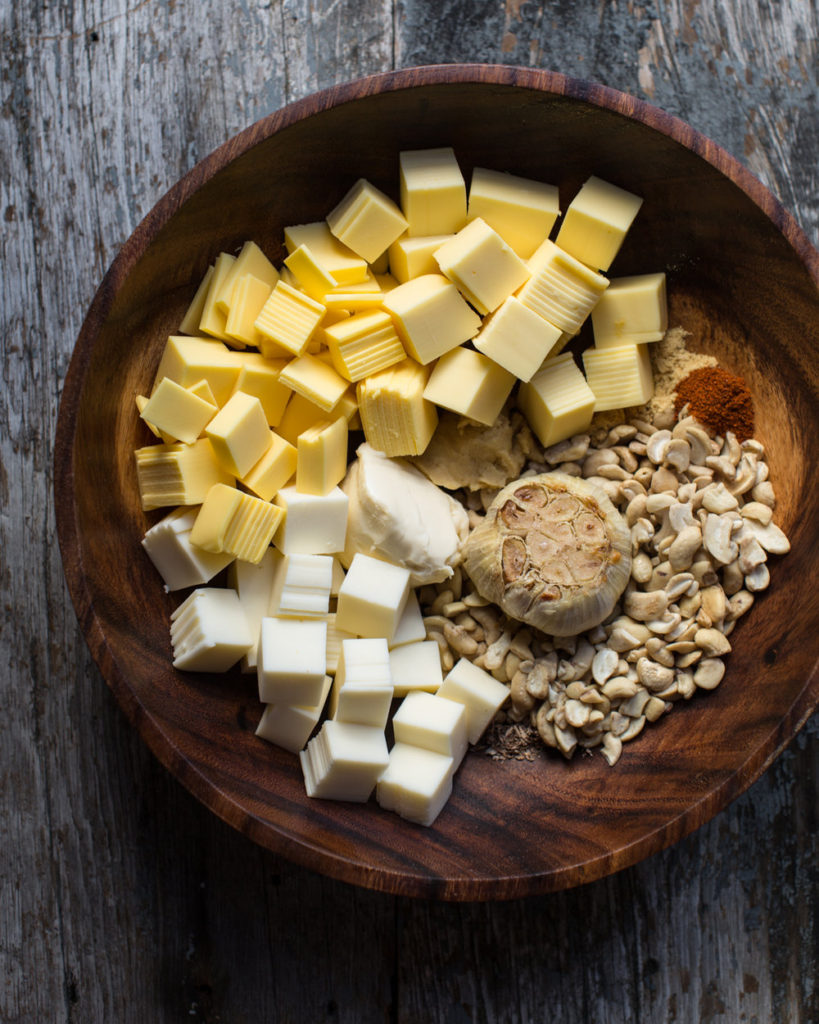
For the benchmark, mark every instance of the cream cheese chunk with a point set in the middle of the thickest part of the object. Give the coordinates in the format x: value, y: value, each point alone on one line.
x: 398, y: 515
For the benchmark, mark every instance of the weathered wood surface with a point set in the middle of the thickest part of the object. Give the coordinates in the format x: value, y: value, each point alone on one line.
x: 121, y: 898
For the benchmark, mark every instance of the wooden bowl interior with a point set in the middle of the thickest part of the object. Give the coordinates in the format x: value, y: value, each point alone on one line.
x: 511, y: 828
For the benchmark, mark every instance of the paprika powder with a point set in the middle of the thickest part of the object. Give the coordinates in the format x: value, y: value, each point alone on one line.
x: 720, y: 400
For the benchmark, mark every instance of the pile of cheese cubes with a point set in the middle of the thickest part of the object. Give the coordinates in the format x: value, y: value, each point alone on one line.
x: 379, y: 315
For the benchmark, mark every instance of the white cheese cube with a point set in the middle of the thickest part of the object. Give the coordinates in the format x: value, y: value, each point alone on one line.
x: 302, y: 586
x: 178, y: 562
x: 416, y: 666
x: 433, y: 722
x: 254, y: 585
x: 479, y: 692
x: 335, y: 637
x: 314, y: 524
x: 209, y: 631
x: 291, y: 661
x: 416, y: 783
x: 362, y: 689
x: 410, y: 628
x: 372, y: 597
x: 344, y: 761
x: 289, y: 725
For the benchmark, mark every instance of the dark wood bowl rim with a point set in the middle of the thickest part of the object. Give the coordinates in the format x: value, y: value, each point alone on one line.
x: 150, y: 729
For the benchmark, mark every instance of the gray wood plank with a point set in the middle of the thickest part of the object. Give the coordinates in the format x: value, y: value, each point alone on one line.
x: 120, y: 897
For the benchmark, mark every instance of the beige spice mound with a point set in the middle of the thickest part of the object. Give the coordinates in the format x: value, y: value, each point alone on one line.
x: 672, y: 362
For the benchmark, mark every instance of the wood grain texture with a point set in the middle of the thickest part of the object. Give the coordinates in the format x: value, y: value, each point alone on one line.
x: 121, y: 898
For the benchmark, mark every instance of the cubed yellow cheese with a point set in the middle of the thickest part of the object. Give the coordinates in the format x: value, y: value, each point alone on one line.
x: 633, y: 309
x: 522, y: 211
x: 141, y: 402
x: 335, y: 257
x: 557, y: 401
x: 289, y: 319
x: 620, y: 376
x: 236, y: 523
x: 177, y: 411
x: 479, y: 692
x: 273, y: 470
x: 344, y: 761
x: 561, y: 289
x: 353, y: 301
x: 308, y: 271
x: 251, y: 260
x: 517, y: 338
x: 249, y: 296
x: 322, y: 456
x: 470, y: 383
x: 203, y: 390
x: 314, y: 380
x: 291, y: 662
x: 366, y: 220
x: 430, y: 316
x: 213, y: 319
x: 289, y: 725
x: 209, y: 631
x: 416, y: 783
x: 177, y: 474
x: 433, y: 191
x: 188, y: 360
x: 395, y: 416
x: 239, y: 433
x: 363, y: 344
x: 299, y: 415
x: 596, y: 222
x: 412, y: 255
x: 259, y: 377
x: 372, y: 597
x: 193, y: 314
x: 481, y: 265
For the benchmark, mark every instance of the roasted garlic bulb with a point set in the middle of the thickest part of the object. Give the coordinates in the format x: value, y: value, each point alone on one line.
x: 551, y: 551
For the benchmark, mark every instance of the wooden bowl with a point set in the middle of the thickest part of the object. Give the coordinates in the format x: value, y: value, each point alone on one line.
x: 742, y: 279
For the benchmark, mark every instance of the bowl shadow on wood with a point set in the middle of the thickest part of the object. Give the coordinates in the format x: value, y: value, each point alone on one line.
x: 742, y: 280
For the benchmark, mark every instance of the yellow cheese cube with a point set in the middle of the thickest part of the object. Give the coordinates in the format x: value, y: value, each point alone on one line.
x: 288, y: 319
x: 517, y: 338
x: 190, y: 321
x: 259, y: 377
x: 141, y: 402
x: 363, y: 344
x: 353, y: 302
x: 249, y: 296
x: 430, y: 316
x: 620, y: 376
x: 469, y: 383
x: 482, y: 266
x: 239, y: 433
x: 597, y: 221
x: 274, y: 468
x: 299, y: 415
x: 366, y: 220
x: 557, y: 401
x: 395, y: 416
x: 308, y: 271
x: 413, y: 255
x: 188, y: 360
x: 251, y: 260
x: 177, y: 411
x: 479, y: 692
x: 335, y: 257
x: 416, y: 783
x: 213, y: 319
x: 236, y: 523
x: 433, y: 191
x: 177, y: 474
x: 314, y: 380
x: 203, y: 390
x: 522, y: 211
x: 322, y: 457
x: 386, y: 282
x: 561, y: 289
x: 381, y: 264
x: 633, y: 309
x: 372, y: 597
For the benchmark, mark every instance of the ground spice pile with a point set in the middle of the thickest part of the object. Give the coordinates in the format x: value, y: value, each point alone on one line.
x: 720, y: 400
